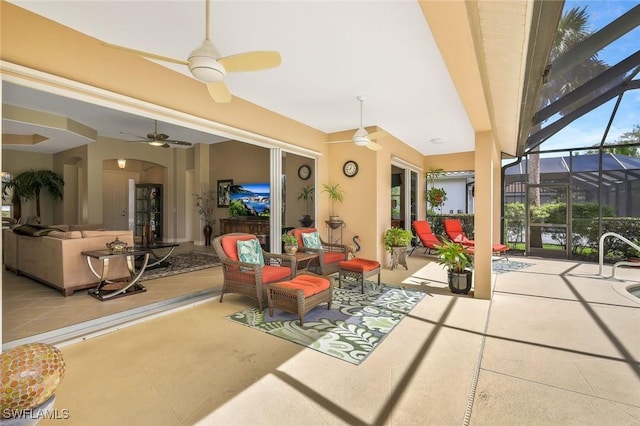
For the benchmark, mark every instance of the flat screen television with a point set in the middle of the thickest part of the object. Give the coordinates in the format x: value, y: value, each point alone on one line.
x: 255, y: 197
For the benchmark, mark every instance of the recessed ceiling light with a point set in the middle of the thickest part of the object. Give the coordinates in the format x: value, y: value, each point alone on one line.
x: 438, y: 140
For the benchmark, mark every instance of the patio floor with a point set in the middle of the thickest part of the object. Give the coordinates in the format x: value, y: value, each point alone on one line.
x: 555, y: 345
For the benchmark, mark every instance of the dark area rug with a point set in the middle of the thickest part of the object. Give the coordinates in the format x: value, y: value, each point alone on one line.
x: 181, y: 263
x: 355, y: 325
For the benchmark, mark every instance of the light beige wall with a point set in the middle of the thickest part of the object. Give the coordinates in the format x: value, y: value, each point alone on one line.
x: 241, y: 162
x: 296, y: 209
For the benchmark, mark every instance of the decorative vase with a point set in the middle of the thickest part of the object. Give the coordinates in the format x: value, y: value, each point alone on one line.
x: 290, y: 249
x: 208, y: 230
x: 306, y: 221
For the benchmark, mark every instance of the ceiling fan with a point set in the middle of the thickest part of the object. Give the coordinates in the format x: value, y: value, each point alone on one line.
x: 158, y: 139
x: 362, y: 137
x: 207, y: 66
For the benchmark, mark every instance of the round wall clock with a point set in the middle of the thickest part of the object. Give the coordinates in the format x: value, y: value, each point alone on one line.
x: 350, y: 168
x: 304, y: 172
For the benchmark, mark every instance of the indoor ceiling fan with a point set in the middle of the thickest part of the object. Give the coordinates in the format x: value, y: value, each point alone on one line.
x: 158, y: 139
x: 206, y: 64
x: 362, y: 137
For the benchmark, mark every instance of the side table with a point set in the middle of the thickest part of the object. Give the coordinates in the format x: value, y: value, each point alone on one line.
x: 107, y: 289
x: 301, y: 258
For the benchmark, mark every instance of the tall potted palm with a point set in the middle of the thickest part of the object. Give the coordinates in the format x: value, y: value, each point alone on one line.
x: 27, y: 186
x: 336, y: 195
x: 306, y: 194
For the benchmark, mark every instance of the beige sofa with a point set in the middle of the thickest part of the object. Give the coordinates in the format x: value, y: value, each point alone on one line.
x: 56, y: 259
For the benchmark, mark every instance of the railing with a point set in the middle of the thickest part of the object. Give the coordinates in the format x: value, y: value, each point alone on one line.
x: 620, y: 263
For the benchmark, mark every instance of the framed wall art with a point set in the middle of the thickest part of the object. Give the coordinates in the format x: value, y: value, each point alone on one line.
x: 224, y: 192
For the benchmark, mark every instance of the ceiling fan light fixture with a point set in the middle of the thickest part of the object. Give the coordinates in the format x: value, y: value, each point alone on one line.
x: 361, y: 140
x: 203, y: 63
x: 156, y: 143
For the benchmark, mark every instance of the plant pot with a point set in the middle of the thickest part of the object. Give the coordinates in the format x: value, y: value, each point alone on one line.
x: 207, y: 230
x: 399, y: 257
x: 334, y: 224
x: 290, y: 249
x: 306, y: 221
x: 460, y: 282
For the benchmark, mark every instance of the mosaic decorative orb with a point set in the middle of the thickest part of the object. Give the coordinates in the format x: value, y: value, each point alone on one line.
x: 30, y: 375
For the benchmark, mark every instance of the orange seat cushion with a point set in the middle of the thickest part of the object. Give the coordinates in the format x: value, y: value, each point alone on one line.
x: 496, y: 248
x: 308, y: 284
x: 334, y: 256
x: 272, y: 274
x: 359, y: 264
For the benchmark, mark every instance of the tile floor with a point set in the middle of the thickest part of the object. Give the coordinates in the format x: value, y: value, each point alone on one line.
x: 556, y: 346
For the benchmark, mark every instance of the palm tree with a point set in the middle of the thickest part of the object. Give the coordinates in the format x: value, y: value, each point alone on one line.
x: 571, y: 31
x: 27, y: 186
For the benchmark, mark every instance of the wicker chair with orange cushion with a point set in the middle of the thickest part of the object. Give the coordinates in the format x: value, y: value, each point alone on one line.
x: 247, y: 269
x: 425, y: 235
x: 329, y: 255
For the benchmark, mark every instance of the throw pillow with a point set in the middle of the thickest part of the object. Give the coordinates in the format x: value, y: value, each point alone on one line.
x: 249, y: 251
x: 311, y: 240
x: 32, y: 230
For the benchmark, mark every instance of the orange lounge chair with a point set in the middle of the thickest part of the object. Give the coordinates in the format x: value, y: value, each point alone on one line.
x: 425, y: 235
x: 453, y: 228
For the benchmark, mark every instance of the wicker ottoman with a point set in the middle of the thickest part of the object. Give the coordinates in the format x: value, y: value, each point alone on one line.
x: 299, y: 295
x: 358, y: 269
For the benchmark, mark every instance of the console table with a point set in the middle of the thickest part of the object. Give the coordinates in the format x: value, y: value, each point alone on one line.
x: 112, y: 289
x: 248, y: 225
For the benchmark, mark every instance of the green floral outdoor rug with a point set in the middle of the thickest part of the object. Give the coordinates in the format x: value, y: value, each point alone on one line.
x: 354, y: 326
x: 504, y: 266
x: 181, y: 263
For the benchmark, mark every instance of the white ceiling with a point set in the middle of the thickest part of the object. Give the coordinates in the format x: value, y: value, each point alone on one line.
x: 332, y: 52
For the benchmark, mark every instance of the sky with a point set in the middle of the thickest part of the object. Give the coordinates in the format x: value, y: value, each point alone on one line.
x: 588, y: 130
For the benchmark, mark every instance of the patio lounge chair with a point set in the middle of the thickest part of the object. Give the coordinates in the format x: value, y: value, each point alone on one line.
x: 453, y: 228
x: 426, y: 237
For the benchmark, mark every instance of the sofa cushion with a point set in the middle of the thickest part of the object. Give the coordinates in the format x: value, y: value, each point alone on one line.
x: 65, y: 235
x: 104, y: 233
x: 86, y: 227
x: 32, y: 230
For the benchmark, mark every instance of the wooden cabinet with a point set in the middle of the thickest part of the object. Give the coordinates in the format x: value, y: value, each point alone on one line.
x: 249, y: 225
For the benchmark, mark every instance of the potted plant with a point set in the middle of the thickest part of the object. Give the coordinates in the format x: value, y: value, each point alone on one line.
x: 435, y: 196
x: 306, y: 194
x: 336, y: 195
x: 396, y: 241
x: 27, y: 185
x: 290, y: 243
x: 455, y: 258
x: 206, y: 203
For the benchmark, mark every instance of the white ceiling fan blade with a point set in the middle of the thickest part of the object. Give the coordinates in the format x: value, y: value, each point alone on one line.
x: 147, y: 54
x: 219, y: 92
x: 374, y: 146
x: 346, y: 140
x: 251, y: 61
